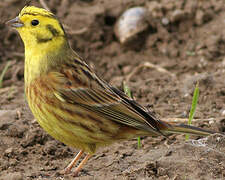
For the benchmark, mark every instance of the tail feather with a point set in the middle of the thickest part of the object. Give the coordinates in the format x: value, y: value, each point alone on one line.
x: 183, y: 129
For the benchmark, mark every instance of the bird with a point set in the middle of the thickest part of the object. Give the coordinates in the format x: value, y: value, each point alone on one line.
x: 70, y: 102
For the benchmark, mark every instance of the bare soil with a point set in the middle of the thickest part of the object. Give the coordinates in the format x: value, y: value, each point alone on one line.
x: 191, y: 47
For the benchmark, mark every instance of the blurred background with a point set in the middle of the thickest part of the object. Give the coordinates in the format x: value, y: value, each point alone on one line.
x: 160, y: 49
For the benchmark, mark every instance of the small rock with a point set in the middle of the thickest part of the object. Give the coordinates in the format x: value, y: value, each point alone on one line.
x: 223, y: 112
x: 211, y: 120
x: 50, y: 148
x: 155, y: 9
x: 202, y: 16
x: 131, y: 23
x: 126, y: 69
x: 9, y: 150
x: 14, y: 176
x: 165, y: 21
x: 223, y: 62
x: 178, y: 15
x: 161, y: 171
x: 199, y: 17
x: 15, y: 131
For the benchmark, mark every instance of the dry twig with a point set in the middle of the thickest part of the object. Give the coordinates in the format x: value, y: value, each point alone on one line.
x: 148, y: 65
x: 185, y: 120
x: 44, y: 5
x: 77, y: 32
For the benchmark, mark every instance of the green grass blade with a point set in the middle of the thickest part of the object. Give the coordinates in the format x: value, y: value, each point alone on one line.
x: 3, y: 73
x: 127, y: 91
x: 193, y: 107
x: 139, y: 142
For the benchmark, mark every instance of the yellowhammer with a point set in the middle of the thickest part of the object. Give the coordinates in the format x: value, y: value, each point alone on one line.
x: 69, y: 101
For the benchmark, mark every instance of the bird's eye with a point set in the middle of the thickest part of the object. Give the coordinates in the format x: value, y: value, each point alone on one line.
x: 34, y: 22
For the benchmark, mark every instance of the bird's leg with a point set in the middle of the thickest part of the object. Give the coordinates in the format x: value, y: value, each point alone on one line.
x: 77, y: 170
x: 73, y: 162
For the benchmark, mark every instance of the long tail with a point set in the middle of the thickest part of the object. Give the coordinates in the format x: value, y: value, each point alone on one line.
x: 183, y: 129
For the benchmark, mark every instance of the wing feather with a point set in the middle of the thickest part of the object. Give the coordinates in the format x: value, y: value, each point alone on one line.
x: 98, y: 97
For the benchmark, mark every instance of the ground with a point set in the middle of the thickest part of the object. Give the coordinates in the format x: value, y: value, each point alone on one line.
x: 185, y: 38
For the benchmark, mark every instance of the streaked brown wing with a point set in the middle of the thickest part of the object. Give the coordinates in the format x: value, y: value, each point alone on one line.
x: 82, y: 87
x: 113, y: 110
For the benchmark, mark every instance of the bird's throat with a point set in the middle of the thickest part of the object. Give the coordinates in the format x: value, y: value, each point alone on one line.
x: 44, y: 58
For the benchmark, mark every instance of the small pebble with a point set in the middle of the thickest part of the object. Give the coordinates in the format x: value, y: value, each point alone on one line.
x: 9, y: 150
x: 211, y: 121
x: 165, y: 21
x: 132, y: 22
x: 223, y: 112
x: 126, y: 69
x: 199, y: 17
x: 177, y: 15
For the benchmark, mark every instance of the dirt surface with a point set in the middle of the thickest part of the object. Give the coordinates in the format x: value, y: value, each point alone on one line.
x: 186, y: 38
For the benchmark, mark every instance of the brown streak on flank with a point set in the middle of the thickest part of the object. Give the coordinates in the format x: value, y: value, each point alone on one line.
x: 44, y: 88
x: 123, y: 131
x: 50, y: 81
x: 43, y: 85
x: 107, y: 132
x: 29, y: 91
x: 41, y: 94
x: 60, y: 118
x: 72, y: 113
x: 57, y: 116
x: 81, y: 115
x: 37, y: 94
x: 44, y: 98
x: 94, y: 119
x: 64, y: 109
x: 96, y: 139
x: 48, y: 100
x: 26, y: 90
x: 86, y: 128
x: 40, y: 107
x: 34, y: 89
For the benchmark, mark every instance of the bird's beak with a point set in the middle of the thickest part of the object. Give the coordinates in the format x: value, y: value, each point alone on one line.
x: 16, y: 23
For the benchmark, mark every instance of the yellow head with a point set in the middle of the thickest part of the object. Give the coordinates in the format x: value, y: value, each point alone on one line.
x: 44, y: 38
x: 37, y: 26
